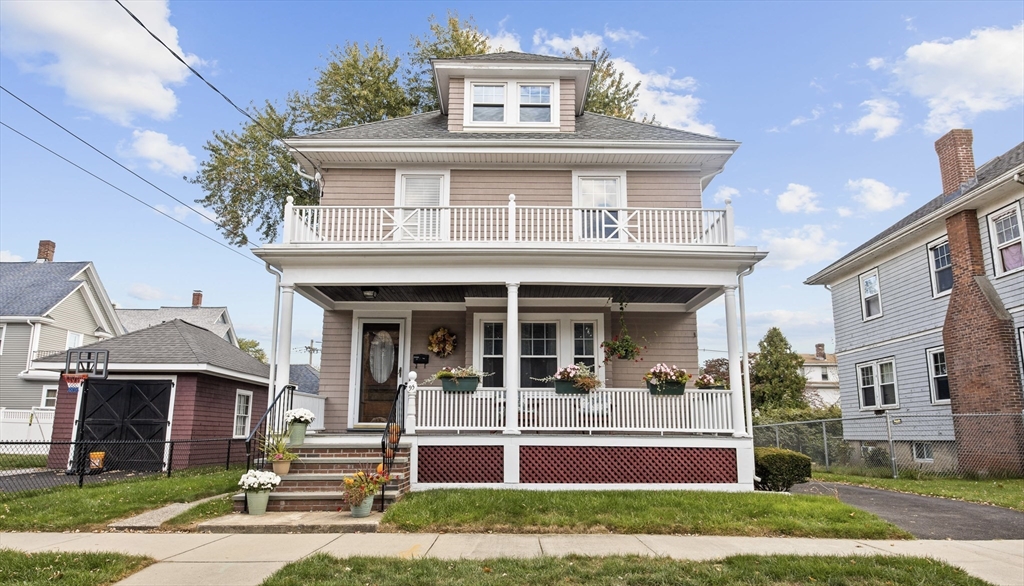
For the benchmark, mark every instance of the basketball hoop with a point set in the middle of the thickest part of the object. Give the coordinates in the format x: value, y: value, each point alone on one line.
x: 75, y: 381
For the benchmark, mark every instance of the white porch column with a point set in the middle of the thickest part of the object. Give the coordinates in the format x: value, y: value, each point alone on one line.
x: 284, y: 337
x: 512, y: 361
x: 735, y: 376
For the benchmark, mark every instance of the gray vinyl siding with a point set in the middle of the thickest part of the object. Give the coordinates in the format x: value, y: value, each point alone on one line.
x: 72, y: 315
x: 907, y: 303
x: 922, y: 420
x: 16, y: 393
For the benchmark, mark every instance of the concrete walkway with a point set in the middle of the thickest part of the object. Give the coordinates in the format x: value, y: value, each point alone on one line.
x: 157, y: 517
x: 246, y: 560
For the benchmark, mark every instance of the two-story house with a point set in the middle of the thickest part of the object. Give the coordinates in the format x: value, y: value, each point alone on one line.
x: 518, y: 223
x: 214, y: 319
x: 822, y: 373
x: 929, y: 319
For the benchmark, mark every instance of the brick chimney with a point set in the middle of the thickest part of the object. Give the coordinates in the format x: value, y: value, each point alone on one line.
x: 956, y: 158
x: 197, y: 299
x: 819, y: 351
x: 46, y: 250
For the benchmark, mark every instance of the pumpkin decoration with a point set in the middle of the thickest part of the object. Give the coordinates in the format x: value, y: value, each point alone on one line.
x: 394, y: 433
x: 381, y: 469
x: 442, y: 342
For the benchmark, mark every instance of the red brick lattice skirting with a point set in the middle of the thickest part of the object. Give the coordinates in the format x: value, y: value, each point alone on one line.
x: 461, y: 464
x: 620, y: 465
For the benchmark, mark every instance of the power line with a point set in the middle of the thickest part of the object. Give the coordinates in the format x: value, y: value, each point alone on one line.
x: 109, y: 158
x: 212, y: 87
x: 95, y: 176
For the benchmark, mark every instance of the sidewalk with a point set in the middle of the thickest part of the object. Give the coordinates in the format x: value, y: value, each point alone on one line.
x: 245, y: 560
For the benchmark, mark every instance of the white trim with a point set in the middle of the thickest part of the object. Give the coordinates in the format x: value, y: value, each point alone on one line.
x: 929, y: 353
x: 67, y: 342
x: 997, y: 259
x: 50, y: 387
x: 359, y: 317
x: 886, y: 342
x: 863, y: 301
x: 125, y: 368
x: 510, y: 120
x: 3, y: 337
x: 929, y: 249
x: 928, y: 445
x: 877, y: 384
x: 248, y: 416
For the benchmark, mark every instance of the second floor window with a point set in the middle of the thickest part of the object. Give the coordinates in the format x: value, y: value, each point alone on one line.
x: 937, y: 377
x: 942, y: 267
x: 870, y: 295
x: 488, y: 103
x: 1005, y: 233
x: 877, y: 384
x: 75, y: 340
x: 824, y: 373
x: 535, y: 103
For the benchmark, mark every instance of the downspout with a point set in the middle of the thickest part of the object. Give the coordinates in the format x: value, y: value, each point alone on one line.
x: 746, y: 364
x: 273, y: 334
x: 31, y: 342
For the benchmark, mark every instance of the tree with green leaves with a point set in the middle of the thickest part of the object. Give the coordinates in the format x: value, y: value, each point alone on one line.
x: 610, y: 94
x: 252, y: 347
x: 445, y: 40
x: 775, y: 377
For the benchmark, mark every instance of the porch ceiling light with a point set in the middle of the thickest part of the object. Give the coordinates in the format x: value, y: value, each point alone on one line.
x: 369, y: 293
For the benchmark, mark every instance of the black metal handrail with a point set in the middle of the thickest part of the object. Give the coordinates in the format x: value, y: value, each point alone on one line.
x: 392, y: 436
x: 273, y: 420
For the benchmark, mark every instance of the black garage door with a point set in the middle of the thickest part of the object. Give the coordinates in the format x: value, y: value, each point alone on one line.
x: 127, y: 411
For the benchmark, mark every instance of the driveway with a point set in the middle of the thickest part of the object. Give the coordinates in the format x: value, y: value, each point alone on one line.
x: 924, y: 516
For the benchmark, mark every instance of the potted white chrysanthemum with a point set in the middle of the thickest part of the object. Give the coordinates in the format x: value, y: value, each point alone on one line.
x: 297, y: 420
x: 257, y: 485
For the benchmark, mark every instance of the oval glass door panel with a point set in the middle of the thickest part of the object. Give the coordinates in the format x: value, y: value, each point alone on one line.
x: 382, y: 356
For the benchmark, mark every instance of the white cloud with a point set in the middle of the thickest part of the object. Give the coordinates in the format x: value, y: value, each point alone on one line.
x: 876, y: 63
x: 742, y: 234
x: 545, y: 42
x: 8, y: 256
x: 874, y: 195
x: 665, y: 96
x: 786, y: 319
x: 958, y: 79
x: 797, y: 198
x: 162, y: 155
x: 621, y: 35
x: 180, y: 213
x: 883, y: 118
x: 725, y: 192
x: 503, y: 40
x: 98, y: 55
x: 799, y: 247
x: 815, y: 114
x: 145, y: 292
x: 844, y: 212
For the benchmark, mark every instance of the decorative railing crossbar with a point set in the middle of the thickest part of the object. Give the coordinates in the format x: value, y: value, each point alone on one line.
x: 614, y: 410
x: 507, y: 224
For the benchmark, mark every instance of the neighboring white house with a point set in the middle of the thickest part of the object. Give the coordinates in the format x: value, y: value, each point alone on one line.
x: 215, y: 319
x: 822, y: 373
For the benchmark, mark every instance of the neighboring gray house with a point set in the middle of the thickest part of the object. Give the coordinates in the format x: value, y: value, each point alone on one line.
x: 215, y: 319
x: 305, y: 377
x: 46, y: 308
x: 929, y: 319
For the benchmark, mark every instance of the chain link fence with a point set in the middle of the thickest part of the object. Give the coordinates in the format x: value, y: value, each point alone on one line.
x: 28, y: 465
x: 975, y: 445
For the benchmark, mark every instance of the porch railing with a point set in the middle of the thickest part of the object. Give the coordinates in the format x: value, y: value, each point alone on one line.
x: 507, y: 224
x: 615, y: 410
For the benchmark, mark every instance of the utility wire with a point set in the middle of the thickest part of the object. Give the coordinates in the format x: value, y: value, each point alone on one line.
x: 212, y: 87
x: 95, y: 176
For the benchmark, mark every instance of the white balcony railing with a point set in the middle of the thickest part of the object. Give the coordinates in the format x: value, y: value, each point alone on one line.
x: 507, y: 224
x: 614, y: 410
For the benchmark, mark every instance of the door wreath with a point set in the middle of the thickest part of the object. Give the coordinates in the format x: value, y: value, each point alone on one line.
x: 441, y: 342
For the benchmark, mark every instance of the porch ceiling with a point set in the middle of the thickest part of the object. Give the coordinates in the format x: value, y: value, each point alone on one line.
x: 459, y: 293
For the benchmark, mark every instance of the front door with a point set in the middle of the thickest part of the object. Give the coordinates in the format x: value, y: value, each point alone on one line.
x: 380, y: 370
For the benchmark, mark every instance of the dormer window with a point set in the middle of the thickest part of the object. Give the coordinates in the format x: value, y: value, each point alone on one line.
x: 511, y: 104
x: 535, y: 103
x: 488, y: 103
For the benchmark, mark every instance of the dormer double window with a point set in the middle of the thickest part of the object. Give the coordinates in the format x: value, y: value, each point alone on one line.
x: 508, y: 105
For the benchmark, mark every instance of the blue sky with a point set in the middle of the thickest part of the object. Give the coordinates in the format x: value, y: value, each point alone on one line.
x: 837, y: 106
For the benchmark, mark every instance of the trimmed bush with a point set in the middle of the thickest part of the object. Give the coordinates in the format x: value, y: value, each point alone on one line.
x: 780, y: 469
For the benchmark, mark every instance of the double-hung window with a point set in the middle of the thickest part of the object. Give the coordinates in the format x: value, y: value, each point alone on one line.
x: 547, y: 342
x: 870, y: 295
x: 583, y: 346
x: 534, y: 103
x: 941, y: 264
x: 488, y: 102
x: 1005, y: 234
x: 599, y: 199
x: 877, y: 384
x: 494, y: 353
x: 937, y: 378
x: 49, y: 396
x: 538, y: 355
x: 74, y: 340
x: 243, y: 412
x: 510, y: 104
x: 421, y: 198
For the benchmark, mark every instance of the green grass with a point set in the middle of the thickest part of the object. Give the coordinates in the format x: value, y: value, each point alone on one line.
x: 1007, y: 493
x: 70, y: 569
x: 321, y: 570
x: 662, y: 512
x: 18, y: 461
x: 70, y: 507
x: 218, y: 507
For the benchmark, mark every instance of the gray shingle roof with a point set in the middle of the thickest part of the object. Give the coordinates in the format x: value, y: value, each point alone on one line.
x: 513, y: 56
x: 984, y: 174
x: 305, y: 377
x: 32, y: 289
x: 176, y: 342
x: 589, y: 127
x: 204, y: 317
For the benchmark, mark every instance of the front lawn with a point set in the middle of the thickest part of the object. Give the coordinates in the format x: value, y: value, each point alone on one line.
x: 19, y: 461
x: 71, y: 569
x: 322, y: 569
x: 651, y: 512
x: 93, y: 506
x: 1007, y: 493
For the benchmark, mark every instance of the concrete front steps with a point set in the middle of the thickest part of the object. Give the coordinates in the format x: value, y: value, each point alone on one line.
x: 315, y: 480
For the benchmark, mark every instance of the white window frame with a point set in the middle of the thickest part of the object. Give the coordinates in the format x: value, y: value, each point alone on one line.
x: 929, y: 353
x: 997, y: 257
x: 3, y: 337
x: 248, y: 417
x: 863, y: 300
x: 479, y: 344
x: 67, y: 343
x: 824, y: 374
x: 877, y: 384
x: 931, y: 268
x: 444, y: 202
x: 46, y: 389
x: 929, y: 457
x: 577, y: 177
x: 511, y: 120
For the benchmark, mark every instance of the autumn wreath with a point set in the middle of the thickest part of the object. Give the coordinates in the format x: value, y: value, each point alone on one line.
x: 441, y: 342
